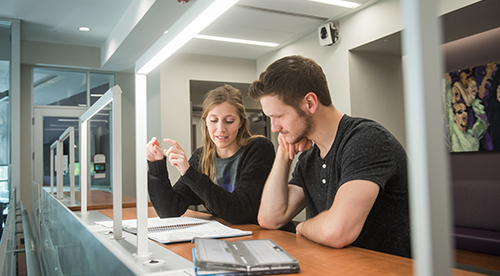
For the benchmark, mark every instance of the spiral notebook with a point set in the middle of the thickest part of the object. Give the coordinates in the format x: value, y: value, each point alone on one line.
x: 180, y: 229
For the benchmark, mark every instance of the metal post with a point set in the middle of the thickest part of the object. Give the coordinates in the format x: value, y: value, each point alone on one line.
x: 428, y: 163
x: 59, y: 176
x: 52, y: 167
x: 84, y: 173
x: 117, y: 162
x: 72, y: 164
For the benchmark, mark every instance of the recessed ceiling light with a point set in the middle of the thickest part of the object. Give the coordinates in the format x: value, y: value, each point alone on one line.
x: 341, y: 3
x: 84, y: 29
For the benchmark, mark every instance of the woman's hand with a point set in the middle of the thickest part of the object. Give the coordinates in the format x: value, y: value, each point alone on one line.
x: 177, y: 156
x: 153, y: 149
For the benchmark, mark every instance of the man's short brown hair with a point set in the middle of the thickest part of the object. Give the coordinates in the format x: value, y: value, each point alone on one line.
x: 290, y: 79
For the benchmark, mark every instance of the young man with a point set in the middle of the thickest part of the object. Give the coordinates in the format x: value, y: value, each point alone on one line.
x: 352, y: 174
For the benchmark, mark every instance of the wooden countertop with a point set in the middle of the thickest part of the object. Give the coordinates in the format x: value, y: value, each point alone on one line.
x: 314, y: 259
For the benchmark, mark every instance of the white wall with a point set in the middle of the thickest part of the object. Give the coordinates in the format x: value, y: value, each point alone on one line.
x: 52, y: 54
x: 376, y: 82
x: 175, y: 74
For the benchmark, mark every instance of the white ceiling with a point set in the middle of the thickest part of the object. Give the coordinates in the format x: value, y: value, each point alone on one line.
x: 124, y: 29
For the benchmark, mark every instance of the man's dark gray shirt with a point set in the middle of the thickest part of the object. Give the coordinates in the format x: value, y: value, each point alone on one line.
x: 362, y: 150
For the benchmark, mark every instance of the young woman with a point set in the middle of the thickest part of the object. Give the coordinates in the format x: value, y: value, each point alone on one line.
x: 227, y: 174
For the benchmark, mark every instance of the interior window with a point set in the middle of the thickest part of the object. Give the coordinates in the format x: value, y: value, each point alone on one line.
x: 57, y: 87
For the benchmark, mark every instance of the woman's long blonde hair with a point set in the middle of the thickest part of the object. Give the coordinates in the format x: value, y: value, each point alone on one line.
x: 214, y: 97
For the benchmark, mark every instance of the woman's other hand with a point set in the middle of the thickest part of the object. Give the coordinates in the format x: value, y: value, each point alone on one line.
x: 177, y: 156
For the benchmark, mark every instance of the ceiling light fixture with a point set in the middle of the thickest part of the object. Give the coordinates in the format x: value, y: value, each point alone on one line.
x: 211, y: 13
x: 235, y: 40
x: 84, y: 29
x: 341, y: 3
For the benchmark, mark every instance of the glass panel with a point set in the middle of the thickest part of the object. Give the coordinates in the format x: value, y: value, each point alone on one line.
x: 60, y: 88
x: 99, y: 84
x: 69, y: 248
x: 100, y: 152
x: 70, y: 244
x: 5, y: 120
x: 4, y: 149
x: 53, y: 127
x: 4, y: 185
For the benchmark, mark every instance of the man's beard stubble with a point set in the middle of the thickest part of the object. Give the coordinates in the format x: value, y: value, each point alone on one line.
x: 306, y: 130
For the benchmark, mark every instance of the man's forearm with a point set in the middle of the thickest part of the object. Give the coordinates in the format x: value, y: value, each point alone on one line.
x: 274, y: 203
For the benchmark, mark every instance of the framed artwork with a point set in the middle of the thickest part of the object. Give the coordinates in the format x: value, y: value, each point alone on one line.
x: 472, y: 108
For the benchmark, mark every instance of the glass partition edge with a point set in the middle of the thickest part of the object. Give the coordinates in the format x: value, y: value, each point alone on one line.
x: 74, y: 245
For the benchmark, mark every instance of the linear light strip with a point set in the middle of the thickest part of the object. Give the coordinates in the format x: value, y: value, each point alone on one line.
x: 141, y: 174
x: 235, y: 40
x: 341, y: 3
x: 196, y: 26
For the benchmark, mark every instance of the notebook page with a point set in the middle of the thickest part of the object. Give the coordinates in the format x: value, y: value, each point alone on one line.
x: 212, y: 229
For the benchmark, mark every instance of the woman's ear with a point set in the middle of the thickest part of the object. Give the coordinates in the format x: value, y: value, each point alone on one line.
x: 310, y: 102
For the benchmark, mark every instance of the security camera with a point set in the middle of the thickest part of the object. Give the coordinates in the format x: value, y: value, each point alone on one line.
x: 328, y: 34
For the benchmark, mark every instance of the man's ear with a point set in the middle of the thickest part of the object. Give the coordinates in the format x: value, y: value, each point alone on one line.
x: 310, y: 102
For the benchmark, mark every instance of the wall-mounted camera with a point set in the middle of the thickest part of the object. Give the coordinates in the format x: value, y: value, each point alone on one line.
x: 328, y: 34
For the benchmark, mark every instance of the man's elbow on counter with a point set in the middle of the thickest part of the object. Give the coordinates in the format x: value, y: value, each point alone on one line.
x: 327, y: 236
x: 336, y: 240
x: 336, y: 243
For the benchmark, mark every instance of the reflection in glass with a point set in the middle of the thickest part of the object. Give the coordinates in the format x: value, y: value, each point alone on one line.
x: 99, y: 84
x: 100, y: 152
x: 53, y: 127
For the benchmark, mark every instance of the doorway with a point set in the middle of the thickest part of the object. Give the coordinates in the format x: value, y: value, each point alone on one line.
x: 49, y: 124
